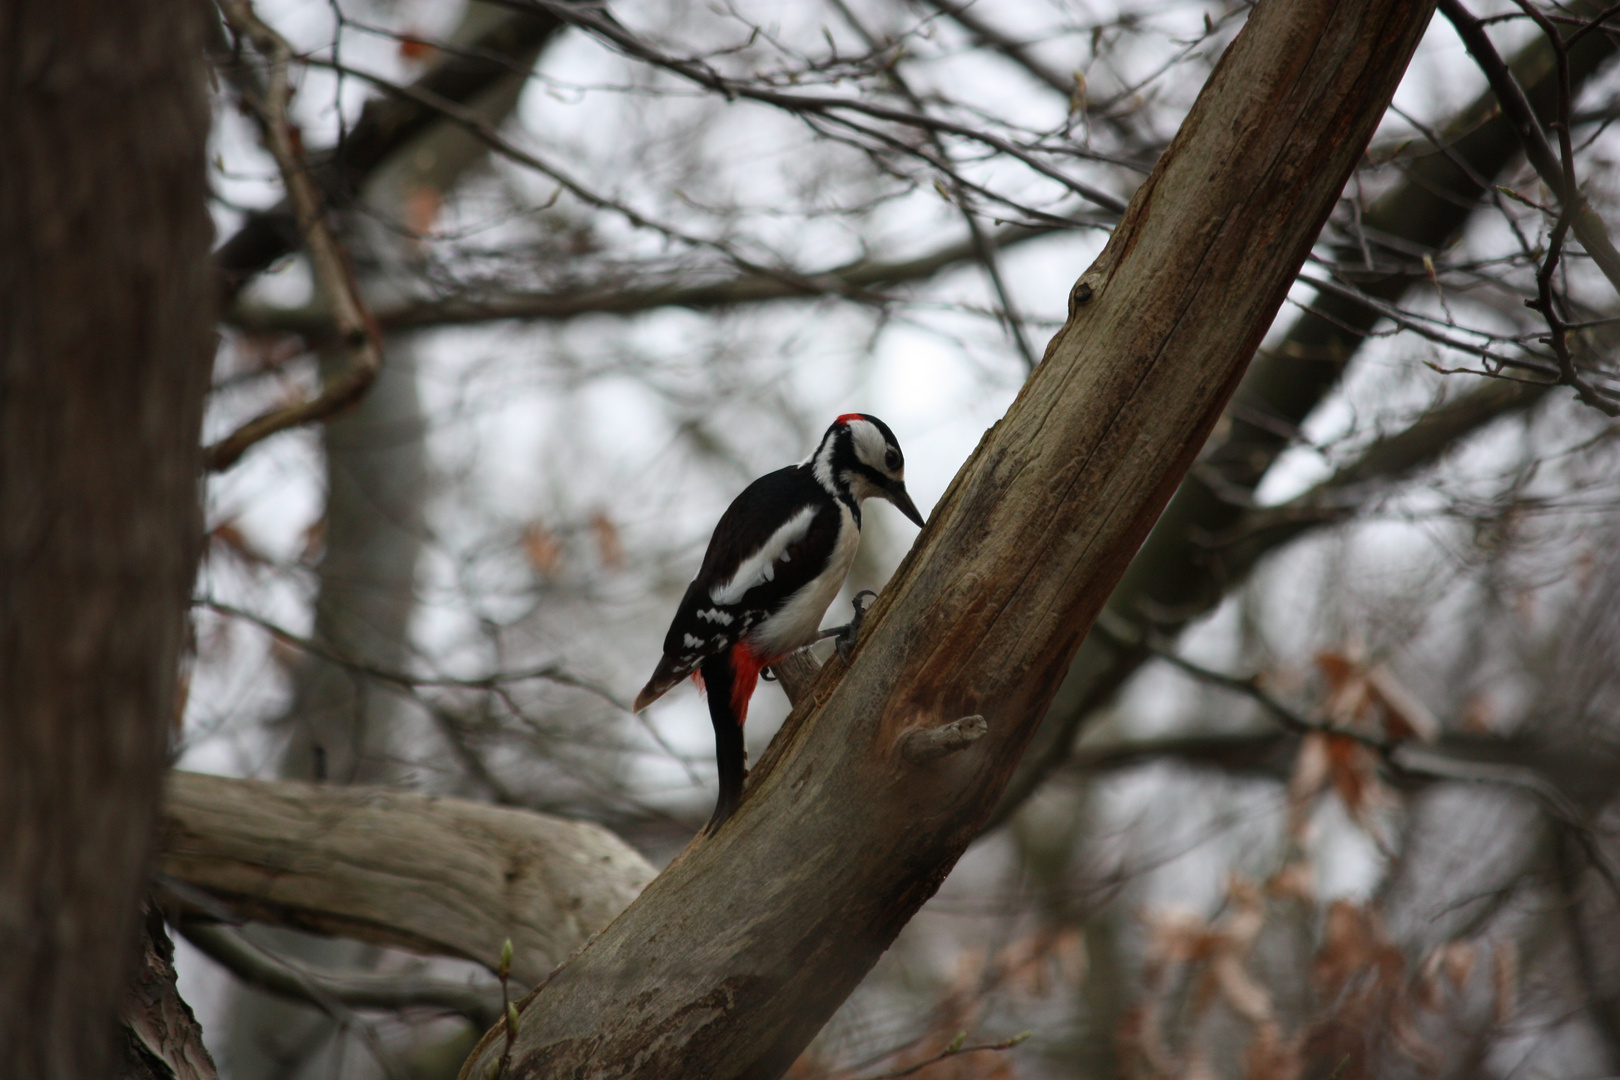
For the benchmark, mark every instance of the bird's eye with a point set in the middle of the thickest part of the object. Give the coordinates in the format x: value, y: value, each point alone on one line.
x: 891, y: 460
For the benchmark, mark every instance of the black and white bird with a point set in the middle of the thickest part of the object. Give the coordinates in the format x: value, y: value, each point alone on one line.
x: 777, y: 559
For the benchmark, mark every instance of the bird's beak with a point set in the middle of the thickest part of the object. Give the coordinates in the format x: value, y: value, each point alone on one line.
x: 895, y: 492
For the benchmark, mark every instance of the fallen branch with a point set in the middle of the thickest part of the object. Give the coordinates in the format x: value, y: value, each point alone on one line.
x: 438, y: 876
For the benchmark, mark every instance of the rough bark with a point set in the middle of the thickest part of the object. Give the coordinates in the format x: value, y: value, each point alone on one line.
x: 1179, y: 575
x: 106, y: 310
x: 440, y: 876
x: 161, y: 1038
x: 734, y: 957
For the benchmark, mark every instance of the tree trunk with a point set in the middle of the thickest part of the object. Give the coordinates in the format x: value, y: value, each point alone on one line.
x: 106, y: 312
x: 735, y: 956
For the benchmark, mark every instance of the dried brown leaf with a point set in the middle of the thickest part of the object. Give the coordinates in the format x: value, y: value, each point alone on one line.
x: 1404, y: 715
x: 609, y: 545
x: 1270, y: 1056
x: 544, y: 550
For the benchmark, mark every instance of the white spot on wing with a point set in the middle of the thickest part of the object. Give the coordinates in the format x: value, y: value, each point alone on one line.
x: 759, y: 567
x: 691, y: 642
x: 715, y: 615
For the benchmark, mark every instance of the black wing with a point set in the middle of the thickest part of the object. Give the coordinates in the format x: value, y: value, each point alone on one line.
x: 735, y: 589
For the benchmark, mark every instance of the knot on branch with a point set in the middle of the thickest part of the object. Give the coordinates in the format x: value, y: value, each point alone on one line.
x: 922, y: 745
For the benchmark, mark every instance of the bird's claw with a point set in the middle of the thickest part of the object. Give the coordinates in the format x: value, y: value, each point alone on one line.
x: 844, y: 636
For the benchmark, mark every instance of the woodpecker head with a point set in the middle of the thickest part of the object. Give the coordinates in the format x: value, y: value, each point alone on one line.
x: 860, y: 457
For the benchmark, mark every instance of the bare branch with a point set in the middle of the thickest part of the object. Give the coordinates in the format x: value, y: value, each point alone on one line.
x: 596, y: 20
x: 1558, y: 173
x: 386, y: 124
x: 298, y: 982
x: 434, y: 875
x: 1013, y: 50
x: 358, y: 335
x: 858, y: 281
x: 553, y: 673
x: 161, y: 1038
x: 1171, y: 574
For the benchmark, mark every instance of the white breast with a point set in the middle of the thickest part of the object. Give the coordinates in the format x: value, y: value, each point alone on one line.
x: 799, y: 620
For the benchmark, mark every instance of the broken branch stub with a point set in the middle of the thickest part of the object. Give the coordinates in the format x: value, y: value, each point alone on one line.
x: 921, y: 745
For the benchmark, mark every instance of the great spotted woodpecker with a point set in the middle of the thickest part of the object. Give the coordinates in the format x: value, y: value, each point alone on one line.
x: 776, y: 560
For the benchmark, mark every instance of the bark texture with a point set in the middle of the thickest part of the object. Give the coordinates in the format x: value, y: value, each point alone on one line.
x: 106, y: 312
x: 161, y: 1038
x: 735, y: 956
x: 440, y: 876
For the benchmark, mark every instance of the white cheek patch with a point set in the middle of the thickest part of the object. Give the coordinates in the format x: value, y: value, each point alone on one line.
x: 870, y: 445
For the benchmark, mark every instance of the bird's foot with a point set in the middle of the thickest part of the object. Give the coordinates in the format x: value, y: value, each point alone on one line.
x: 844, y: 636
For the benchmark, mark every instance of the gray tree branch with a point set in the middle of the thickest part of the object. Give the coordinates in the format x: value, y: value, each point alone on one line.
x: 439, y: 876
x: 299, y: 982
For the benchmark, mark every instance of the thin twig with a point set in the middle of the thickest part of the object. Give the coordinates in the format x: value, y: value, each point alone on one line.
x: 357, y: 334
x: 1558, y: 175
x: 950, y: 1052
x: 491, y: 682
x: 286, y: 978
x: 280, y: 976
x: 983, y: 244
x: 594, y: 19
x: 1399, y: 756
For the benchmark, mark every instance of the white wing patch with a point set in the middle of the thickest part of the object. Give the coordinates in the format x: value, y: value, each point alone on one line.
x: 760, y: 567
x: 716, y: 615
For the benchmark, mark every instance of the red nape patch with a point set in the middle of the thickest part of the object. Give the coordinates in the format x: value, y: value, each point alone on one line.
x: 847, y: 417
x: 745, y: 668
